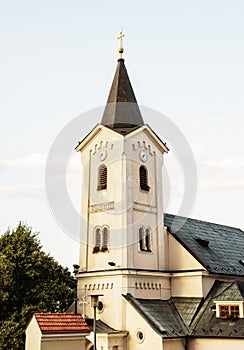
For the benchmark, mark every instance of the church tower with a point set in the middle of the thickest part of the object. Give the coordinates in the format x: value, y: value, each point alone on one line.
x: 122, y: 246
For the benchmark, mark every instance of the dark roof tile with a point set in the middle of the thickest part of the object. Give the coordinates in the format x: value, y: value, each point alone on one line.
x: 218, y: 248
x: 122, y: 113
x: 162, y: 315
x: 206, y: 324
x: 187, y: 307
x: 101, y: 327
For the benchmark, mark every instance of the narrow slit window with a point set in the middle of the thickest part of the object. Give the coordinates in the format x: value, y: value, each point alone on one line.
x: 144, y: 178
x: 98, y: 240
x: 105, y: 238
x: 148, y: 238
x: 142, y: 241
x: 145, y: 239
x: 102, y: 178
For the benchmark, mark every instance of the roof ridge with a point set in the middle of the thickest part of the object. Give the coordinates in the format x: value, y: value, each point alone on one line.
x: 203, y: 221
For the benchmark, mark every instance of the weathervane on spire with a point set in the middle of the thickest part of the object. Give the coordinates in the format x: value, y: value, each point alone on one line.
x: 120, y: 38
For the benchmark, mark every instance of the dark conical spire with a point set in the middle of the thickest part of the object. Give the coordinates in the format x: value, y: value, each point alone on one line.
x: 122, y: 112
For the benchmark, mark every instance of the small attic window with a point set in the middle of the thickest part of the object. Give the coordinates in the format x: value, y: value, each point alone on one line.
x: 229, y: 309
x: 241, y: 262
x: 203, y: 242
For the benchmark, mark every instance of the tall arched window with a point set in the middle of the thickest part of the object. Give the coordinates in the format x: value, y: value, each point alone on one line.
x: 102, y: 178
x: 148, y: 238
x: 105, y: 238
x: 98, y: 239
x: 101, y: 239
x: 143, y: 178
x: 145, y: 239
x: 142, y: 242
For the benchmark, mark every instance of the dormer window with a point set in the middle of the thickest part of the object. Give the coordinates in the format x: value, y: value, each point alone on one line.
x: 229, y: 309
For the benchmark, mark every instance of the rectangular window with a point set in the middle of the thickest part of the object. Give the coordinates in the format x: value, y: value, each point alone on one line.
x: 102, y: 178
x: 229, y: 311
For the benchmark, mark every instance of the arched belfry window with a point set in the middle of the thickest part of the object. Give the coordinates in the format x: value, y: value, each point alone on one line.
x: 102, y: 178
x: 148, y: 239
x: 141, y: 239
x: 143, y: 178
x: 101, y: 239
x: 98, y: 239
x: 145, y: 239
x: 105, y: 238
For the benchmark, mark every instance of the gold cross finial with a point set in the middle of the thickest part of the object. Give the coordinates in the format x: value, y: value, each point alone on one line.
x: 120, y: 38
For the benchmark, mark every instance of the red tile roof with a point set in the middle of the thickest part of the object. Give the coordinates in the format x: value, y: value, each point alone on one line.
x: 61, y: 323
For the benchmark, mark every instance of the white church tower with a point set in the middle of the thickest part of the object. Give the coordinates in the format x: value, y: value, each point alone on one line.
x: 122, y: 232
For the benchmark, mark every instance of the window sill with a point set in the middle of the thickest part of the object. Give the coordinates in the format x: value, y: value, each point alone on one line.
x: 145, y: 189
x: 144, y: 251
x: 97, y: 250
x: 99, y: 188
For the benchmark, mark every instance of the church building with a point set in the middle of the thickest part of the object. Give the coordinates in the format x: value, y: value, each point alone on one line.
x: 157, y: 286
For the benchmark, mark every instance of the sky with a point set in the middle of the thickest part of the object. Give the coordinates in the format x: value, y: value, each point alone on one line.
x: 58, y: 57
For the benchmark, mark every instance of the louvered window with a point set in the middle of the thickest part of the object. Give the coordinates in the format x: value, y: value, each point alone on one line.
x: 102, y: 178
x: 98, y: 239
x: 144, y: 178
x: 101, y: 239
x: 105, y: 237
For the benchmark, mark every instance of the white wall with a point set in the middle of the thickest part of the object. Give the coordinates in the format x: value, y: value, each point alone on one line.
x: 33, y: 336
x: 180, y: 258
x: 174, y: 344
x: 131, y: 208
x: 62, y: 344
x: 213, y: 344
x: 135, y: 323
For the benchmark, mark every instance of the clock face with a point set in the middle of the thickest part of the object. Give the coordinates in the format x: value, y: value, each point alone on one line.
x: 143, y: 155
x: 102, y: 154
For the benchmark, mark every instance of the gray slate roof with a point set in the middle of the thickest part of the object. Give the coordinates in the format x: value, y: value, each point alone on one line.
x: 193, y: 317
x: 122, y: 112
x: 102, y: 327
x: 161, y: 315
x: 207, y: 325
x: 219, y: 248
x: 187, y: 308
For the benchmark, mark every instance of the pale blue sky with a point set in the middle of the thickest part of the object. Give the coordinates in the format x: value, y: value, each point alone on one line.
x: 184, y: 58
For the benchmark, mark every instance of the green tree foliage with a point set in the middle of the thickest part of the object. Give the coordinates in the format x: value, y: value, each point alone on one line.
x: 30, y: 281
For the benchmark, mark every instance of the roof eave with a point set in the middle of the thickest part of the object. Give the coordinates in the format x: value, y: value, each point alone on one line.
x: 93, y: 133
x: 152, y: 135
